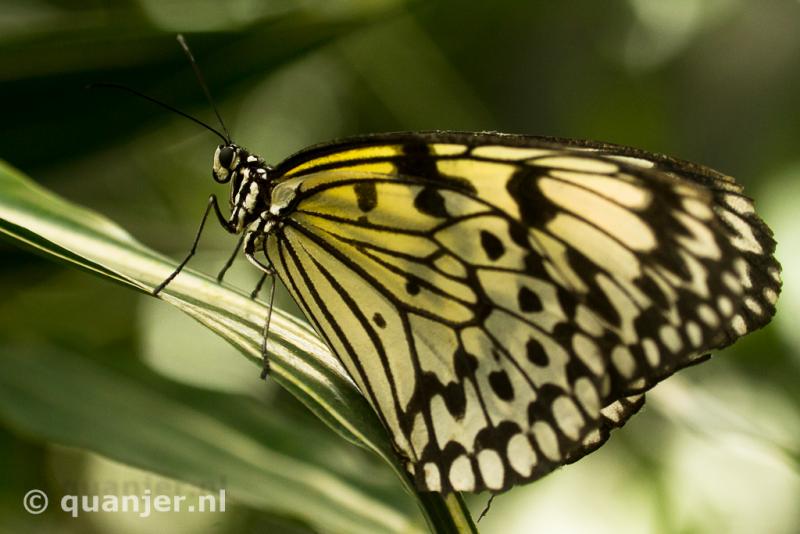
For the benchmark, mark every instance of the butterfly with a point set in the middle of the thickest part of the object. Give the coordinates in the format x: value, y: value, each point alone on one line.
x: 502, y: 301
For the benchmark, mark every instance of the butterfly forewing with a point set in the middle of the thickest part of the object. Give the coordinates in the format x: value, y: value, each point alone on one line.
x: 502, y: 300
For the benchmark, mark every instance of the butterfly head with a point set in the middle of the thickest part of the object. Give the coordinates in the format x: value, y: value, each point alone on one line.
x: 248, y: 175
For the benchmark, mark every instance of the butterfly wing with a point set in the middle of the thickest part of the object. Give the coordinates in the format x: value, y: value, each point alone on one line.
x: 502, y: 301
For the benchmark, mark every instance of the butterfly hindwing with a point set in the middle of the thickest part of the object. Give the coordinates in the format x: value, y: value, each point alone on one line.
x: 502, y: 301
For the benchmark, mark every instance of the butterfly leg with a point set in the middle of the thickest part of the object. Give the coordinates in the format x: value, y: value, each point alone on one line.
x: 212, y: 203
x: 231, y: 259
x: 265, y: 334
x: 251, y: 238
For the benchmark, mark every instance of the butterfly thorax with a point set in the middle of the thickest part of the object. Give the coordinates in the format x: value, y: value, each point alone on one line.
x: 251, y: 183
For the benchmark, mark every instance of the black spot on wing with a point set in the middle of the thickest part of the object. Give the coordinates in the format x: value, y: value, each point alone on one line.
x: 379, y: 320
x: 492, y: 245
x: 536, y: 353
x: 412, y: 286
x: 465, y: 363
x: 501, y: 385
x: 528, y: 300
x: 366, y: 195
x: 431, y: 202
x: 455, y: 400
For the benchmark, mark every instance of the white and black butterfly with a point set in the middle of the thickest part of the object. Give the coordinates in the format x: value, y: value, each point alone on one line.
x: 503, y: 301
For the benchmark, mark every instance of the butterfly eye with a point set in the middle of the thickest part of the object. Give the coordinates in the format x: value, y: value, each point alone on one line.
x: 225, y: 157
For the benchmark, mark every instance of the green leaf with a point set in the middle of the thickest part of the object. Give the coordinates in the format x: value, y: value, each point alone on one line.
x: 300, y: 361
x: 257, y: 455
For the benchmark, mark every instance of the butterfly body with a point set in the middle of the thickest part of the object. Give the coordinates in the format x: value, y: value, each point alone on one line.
x: 503, y: 301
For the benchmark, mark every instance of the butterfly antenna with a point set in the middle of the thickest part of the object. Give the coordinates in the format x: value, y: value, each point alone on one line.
x: 203, y: 85
x: 160, y: 103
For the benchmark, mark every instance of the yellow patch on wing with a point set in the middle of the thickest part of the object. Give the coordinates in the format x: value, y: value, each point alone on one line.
x: 363, y: 153
x: 447, y: 149
x: 509, y: 152
x: 378, y: 167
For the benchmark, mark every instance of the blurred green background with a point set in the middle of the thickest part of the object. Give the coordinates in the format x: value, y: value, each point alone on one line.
x: 717, y: 448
